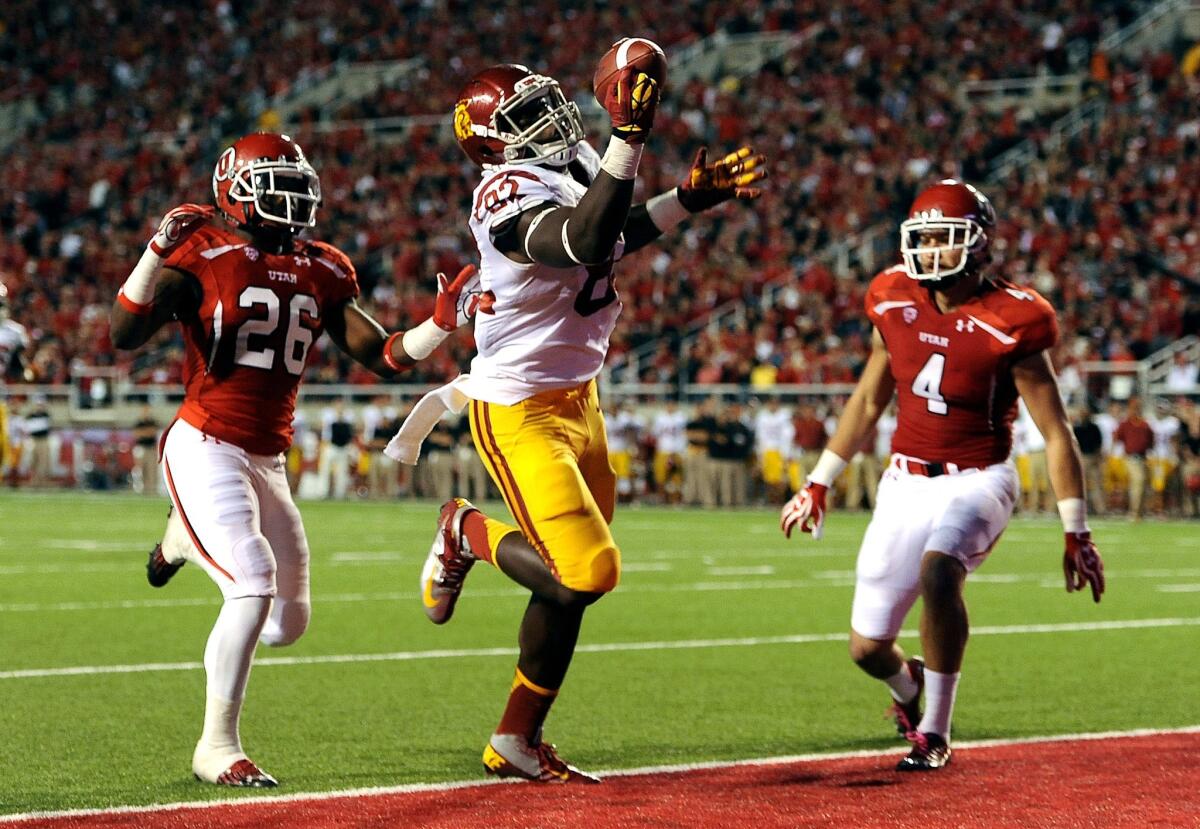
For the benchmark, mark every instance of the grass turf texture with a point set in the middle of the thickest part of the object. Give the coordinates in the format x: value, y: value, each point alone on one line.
x: 73, y: 593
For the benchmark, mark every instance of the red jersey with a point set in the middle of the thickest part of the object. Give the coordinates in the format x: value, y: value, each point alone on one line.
x: 247, y: 347
x: 953, y: 371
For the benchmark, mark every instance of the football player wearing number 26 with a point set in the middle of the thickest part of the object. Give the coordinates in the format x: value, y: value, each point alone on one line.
x: 959, y: 346
x: 551, y: 218
x: 252, y: 298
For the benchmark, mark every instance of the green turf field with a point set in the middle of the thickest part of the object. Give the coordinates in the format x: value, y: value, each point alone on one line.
x: 724, y: 641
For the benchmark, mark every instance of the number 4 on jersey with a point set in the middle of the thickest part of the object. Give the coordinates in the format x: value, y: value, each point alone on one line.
x: 928, y: 383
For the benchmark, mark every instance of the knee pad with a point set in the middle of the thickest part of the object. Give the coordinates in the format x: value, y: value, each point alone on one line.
x: 286, y: 623
x: 254, y: 568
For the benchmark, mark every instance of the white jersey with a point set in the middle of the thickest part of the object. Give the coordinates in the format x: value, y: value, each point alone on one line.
x: 13, y: 338
x: 1108, y: 427
x: 551, y: 326
x: 1165, y: 429
x: 624, y: 429
x: 670, y: 432
x: 773, y: 431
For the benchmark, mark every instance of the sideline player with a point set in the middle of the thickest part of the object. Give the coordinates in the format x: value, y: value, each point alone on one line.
x: 550, y: 218
x: 959, y: 346
x: 252, y: 298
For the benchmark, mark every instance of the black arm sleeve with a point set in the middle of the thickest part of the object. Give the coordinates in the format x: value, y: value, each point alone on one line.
x: 592, y: 226
x: 640, y: 230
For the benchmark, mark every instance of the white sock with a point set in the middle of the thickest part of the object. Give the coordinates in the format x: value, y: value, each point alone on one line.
x: 939, y: 703
x: 227, y: 660
x: 902, y: 685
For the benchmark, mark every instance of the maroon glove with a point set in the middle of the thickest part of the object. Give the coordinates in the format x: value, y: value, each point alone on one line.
x: 807, y: 508
x: 1082, y: 564
x: 631, y: 102
x: 732, y: 177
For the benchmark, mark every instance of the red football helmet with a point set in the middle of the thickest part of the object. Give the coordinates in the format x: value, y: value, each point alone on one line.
x: 508, y: 114
x: 963, y: 215
x: 264, y: 179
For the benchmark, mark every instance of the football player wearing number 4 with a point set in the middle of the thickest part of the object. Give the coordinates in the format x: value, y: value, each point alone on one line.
x: 550, y: 218
x: 252, y: 299
x: 958, y: 346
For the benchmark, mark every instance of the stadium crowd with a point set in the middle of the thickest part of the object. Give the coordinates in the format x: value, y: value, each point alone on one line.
x: 853, y: 123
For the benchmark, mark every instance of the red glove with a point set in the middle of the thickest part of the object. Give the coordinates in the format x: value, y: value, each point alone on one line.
x: 1082, y: 564
x: 807, y: 508
x: 631, y: 101
x: 448, y: 310
x: 179, y: 224
x: 708, y: 185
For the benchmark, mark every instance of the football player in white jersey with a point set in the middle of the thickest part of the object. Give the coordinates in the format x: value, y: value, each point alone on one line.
x: 670, y: 446
x: 773, y: 433
x: 551, y: 218
x: 14, y: 344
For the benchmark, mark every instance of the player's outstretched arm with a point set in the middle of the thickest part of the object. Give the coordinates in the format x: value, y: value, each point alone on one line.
x: 734, y: 176
x: 358, y: 333
x: 153, y: 294
x: 586, y: 234
x: 1036, y: 383
x: 868, y: 402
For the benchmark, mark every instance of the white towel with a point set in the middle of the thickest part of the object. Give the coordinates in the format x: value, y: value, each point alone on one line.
x: 406, y: 445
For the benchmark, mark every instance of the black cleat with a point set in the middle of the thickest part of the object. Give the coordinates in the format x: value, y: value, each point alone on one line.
x: 158, y: 570
x: 929, y: 753
x: 907, y: 715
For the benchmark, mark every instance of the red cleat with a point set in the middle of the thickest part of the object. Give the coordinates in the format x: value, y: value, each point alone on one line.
x: 245, y: 775
x: 907, y: 715
x: 510, y: 755
x: 448, y: 562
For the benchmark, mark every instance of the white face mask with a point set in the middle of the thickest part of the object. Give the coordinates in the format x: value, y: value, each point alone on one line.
x: 932, y: 262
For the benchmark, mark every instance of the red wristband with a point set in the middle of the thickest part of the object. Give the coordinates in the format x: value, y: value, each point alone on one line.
x: 133, y: 307
x: 392, y: 362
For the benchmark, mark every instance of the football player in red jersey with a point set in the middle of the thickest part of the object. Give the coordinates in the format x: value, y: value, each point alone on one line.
x: 958, y: 346
x: 252, y: 297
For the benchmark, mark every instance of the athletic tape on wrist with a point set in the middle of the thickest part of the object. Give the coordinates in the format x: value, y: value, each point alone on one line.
x: 1073, y: 512
x: 419, y: 342
x: 666, y: 210
x: 828, y: 467
x: 621, y: 159
x: 139, y: 286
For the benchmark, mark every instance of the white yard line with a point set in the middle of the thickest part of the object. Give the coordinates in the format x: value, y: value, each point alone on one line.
x: 608, y: 647
x: 414, y: 788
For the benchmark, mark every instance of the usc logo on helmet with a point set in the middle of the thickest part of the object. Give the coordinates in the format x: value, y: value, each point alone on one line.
x: 462, y: 121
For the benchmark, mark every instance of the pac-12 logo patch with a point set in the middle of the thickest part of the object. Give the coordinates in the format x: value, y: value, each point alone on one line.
x: 910, y: 315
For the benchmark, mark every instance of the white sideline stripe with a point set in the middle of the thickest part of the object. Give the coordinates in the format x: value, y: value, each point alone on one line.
x: 681, y: 768
x: 603, y: 647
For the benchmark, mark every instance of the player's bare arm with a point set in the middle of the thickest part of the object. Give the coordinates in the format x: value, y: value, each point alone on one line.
x: 866, y: 405
x: 154, y: 295
x: 358, y: 333
x: 1036, y: 383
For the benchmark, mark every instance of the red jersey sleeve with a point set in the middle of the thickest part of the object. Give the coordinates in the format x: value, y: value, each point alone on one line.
x: 186, y: 257
x: 344, y: 285
x: 1036, y: 324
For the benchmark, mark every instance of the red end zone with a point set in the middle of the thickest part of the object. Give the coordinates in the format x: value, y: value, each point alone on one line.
x: 1142, y: 781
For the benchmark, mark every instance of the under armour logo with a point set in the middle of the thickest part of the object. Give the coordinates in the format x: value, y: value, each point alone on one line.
x: 303, y: 261
x: 965, y: 325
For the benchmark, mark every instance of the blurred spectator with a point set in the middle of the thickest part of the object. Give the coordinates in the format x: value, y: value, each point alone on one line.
x: 698, y: 482
x: 1136, y: 438
x: 435, y: 471
x: 669, y: 430
x: 1189, y: 440
x: 730, y: 448
x: 773, y: 447
x: 1091, y: 442
x: 145, y: 453
x: 809, y: 436
x: 338, y: 439
x: 1184, y: 375
x: 37, y: 429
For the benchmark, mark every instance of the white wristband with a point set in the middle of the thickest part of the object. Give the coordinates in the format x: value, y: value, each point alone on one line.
x: 621, y: 159
x: 1073, y: 512
x: 139, y: 287
x: 666, y: 211
x: 828, y: 467
x: 419, y: 342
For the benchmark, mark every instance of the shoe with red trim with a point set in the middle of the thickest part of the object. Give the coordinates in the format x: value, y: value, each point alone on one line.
x: 930, y: 752
x: 907, y: 715
x: 244, y: 774
x: 448, y: 562
x: 511, y: 755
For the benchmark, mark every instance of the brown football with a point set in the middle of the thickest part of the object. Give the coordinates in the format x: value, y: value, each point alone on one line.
x: 644, y: 54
